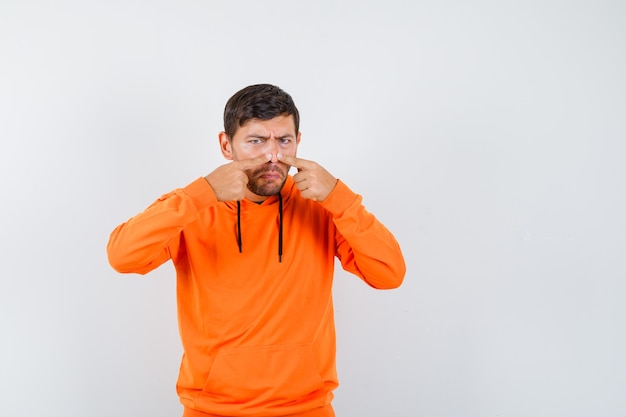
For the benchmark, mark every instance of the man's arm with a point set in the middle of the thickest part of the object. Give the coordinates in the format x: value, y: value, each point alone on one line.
x: 364, y: 245
x: 141, y: 244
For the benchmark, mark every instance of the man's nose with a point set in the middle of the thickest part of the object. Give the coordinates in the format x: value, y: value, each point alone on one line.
x: 272, y: 147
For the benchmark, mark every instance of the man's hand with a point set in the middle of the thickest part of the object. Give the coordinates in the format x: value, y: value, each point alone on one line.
x: 230, y: 181
x: 313, y: 181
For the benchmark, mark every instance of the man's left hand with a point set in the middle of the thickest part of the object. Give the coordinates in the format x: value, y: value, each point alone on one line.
x: 313, y: 181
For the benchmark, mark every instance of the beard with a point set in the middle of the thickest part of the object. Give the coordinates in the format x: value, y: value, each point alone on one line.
x: 264, y: 186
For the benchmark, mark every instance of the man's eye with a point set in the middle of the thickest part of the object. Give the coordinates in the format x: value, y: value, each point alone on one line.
x: 285, y: 141
x: 255, y: 141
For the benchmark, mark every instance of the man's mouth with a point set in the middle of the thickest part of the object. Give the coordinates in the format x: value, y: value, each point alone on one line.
x: 270, y: 174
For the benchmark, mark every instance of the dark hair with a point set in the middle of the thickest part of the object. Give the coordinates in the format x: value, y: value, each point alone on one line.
x: 259, y: 101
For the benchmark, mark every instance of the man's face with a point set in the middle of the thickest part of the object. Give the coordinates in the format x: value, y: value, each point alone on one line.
x: 259, y: 137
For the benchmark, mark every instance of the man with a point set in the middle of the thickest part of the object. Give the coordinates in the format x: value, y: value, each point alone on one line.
x: 254, y: 251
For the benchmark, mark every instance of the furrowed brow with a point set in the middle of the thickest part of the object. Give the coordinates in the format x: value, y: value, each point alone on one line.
x: 260, y: 136
x: 257, y: 136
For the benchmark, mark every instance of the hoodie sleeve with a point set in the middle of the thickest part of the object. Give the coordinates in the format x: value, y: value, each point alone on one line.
x: 143, y: 242
x: 365, y: 246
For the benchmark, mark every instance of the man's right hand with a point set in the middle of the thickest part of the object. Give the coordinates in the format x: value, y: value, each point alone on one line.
x: 230, y: 181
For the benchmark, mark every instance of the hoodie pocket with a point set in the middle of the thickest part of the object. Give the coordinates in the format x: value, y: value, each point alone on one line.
x: 268, y: 374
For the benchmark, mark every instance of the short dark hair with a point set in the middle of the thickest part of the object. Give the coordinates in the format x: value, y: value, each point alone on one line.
x: 259, y: 101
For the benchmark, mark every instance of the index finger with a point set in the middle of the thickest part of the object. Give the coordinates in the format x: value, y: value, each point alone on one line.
x: 293, y: 161
x: 251, y: 163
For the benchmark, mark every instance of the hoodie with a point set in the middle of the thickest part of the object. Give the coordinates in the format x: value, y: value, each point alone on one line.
x: 254, y: 290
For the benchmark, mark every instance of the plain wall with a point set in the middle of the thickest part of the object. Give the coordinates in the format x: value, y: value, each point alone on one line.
x: 489, y: 136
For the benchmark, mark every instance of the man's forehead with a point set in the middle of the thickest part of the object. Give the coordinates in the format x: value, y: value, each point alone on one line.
x: 278, y: 126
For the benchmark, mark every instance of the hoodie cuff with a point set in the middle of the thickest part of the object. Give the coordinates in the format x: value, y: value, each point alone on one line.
x: 201, y: 193
x: 340, y: 199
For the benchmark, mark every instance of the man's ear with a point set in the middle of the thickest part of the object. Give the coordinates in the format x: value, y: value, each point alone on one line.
x: 225, y: 146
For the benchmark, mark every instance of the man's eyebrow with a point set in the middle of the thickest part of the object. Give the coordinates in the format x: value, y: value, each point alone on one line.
x: 257, y: 135
x: 260, y: 136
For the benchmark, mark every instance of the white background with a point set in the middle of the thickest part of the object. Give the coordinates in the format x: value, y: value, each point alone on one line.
x: 489, y: 136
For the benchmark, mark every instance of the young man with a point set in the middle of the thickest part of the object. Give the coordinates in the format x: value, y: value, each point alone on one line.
x: 254, y: 251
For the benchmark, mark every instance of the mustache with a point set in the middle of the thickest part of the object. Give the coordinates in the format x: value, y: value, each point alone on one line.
x: 269, y: 168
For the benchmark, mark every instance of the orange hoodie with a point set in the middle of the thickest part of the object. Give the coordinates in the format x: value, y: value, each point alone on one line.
x: 257, y: 328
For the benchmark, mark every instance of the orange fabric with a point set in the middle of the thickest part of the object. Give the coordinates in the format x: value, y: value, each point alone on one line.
x: 258, y: 334
x: 326, y: 411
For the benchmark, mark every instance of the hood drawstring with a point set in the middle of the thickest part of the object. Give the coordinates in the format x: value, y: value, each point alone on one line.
x: 280, y: 227
x: 239, y: 225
